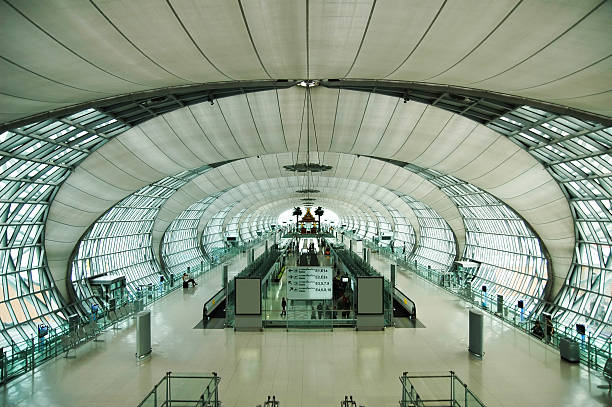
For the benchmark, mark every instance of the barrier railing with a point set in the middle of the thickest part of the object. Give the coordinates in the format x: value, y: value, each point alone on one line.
x: 422, y: 390
x: 185, y: 390
x: 258, y: 269
x: 593, y: 353
x: 24, y: 356
x: 359, y: 268
x: 214, y: 301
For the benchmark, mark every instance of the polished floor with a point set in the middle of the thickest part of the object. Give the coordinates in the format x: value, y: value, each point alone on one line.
x: 310, y: 368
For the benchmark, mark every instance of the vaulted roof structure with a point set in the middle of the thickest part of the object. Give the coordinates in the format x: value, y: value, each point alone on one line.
x: 136, y: 136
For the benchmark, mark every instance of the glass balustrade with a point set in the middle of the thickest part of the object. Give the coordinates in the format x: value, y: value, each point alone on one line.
x: 423, y: 390
x: 24, y: 356
x: 184, y: 390
x: 593, y: 353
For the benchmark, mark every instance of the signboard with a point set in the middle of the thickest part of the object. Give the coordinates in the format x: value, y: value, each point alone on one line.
x: 309, y: 283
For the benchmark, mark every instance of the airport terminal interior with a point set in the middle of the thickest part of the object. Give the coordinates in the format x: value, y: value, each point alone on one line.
x: 271, y: 203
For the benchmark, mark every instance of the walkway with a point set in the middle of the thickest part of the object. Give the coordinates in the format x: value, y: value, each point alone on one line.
x: 307, y: 369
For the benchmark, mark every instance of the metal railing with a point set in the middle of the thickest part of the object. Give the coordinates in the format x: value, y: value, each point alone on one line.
x: 593, y: 353
x: 213, y: 303
x: 184, y: 390
x: 359, y: 268
x: 258, y: 269
x: 270, y: 402
x: 24, y: 356
x: 27, y: 355
x: 440, y: 390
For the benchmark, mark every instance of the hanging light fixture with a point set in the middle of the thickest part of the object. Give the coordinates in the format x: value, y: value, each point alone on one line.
x: 307, y: 167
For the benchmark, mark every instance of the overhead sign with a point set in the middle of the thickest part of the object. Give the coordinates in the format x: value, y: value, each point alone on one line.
x: 309, y: 283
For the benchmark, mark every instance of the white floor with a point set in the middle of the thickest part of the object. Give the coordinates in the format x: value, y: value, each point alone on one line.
x: 310, y: 369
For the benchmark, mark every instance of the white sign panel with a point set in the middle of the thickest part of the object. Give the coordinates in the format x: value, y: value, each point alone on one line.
x: 309, y: 283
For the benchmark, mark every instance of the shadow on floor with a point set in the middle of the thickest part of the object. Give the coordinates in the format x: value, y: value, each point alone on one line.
x: 212, y: 323
x: 405, y: 322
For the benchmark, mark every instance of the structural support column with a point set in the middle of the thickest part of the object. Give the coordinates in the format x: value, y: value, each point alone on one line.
x: 225, y: 276
x: 366, y: 255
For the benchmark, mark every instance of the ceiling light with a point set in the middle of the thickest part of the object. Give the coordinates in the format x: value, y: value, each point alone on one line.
x: 305, y: 167
x: 308, y: 84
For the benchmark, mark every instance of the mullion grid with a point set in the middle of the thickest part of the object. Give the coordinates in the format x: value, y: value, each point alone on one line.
x: 233, y: 228
x: 34, y: 161
x: 213, y: 239
x: 577, y: 155
x: 119, y: 243
x: 404, y: 236
x: 180, y: 248
x: 512, y: 261
x: 245, y: 232
x: 436, y: 247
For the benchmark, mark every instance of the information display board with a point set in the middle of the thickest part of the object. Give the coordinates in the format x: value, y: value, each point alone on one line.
x: 248, y: 296
x: 309, y: 283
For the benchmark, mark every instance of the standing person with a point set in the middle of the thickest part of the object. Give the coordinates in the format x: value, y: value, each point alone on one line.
x: 161, y: 282
x: 345, y: 304
x: 550, y: 330
x: 537, y: 330
x: 320, y: 310
x: 284, y: 305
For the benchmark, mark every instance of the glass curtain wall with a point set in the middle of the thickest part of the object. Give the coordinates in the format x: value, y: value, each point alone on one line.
x: 511, y: 259
x: 34, y: 161
x: 213, y: 238
x: 180, y: 245
x: 119, y: 243
x: 245, y: 231
x: 436, y: 247
x: 404, y: 237
x: 384, y: 228
x: 232, y: 228
x: 577, y: 155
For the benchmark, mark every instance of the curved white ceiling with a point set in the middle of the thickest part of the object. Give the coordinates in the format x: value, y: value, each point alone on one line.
x: 360, y: 197
x: 268, y: 124
x: 55, y: 54
x: 348, y: 188
x: 277, y: 205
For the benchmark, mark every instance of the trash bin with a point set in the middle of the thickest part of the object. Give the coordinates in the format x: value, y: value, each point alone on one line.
x: 476, y: 333
x: 569, y: 350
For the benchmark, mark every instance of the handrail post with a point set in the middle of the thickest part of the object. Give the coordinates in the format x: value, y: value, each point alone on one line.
x: 33, y: 354
x: 155, y: 395
x: 452, y: 389
x: 168, y: 397
x: 216, y: 379
x: 404, y: 392
x: 589, y: 350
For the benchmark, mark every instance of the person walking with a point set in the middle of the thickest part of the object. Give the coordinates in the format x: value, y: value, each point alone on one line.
x: 284, y: 305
